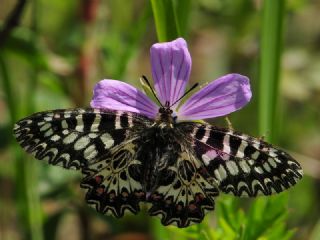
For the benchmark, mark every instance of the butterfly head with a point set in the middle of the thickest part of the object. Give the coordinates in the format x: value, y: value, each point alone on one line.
x: 166, y: 116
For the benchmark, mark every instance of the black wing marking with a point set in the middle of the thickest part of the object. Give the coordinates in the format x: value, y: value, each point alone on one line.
x: 113, y: 183
x: 242, y: 165
x: 185, y: 197
x: 72, y: 138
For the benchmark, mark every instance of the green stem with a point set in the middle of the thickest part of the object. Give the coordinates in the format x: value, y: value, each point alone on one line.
x: 271, y: 42
x: 168, y: 20
x: 34, y: 204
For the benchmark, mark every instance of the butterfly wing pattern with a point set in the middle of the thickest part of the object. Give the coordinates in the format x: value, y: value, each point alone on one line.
x: 97, y: 142
x: 242, y: 165
x: 187, y: 194
x: 127, y: 159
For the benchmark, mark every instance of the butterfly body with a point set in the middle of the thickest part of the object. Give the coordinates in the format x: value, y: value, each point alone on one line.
x: 177, y: 167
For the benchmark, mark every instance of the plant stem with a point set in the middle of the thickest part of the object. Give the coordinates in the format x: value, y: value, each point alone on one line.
x: 271, y: 43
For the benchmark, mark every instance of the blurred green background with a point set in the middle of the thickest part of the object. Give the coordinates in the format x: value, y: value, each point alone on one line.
x: 53, y: 52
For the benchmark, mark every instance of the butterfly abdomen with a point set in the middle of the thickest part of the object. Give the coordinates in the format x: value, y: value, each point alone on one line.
x: 158, y: 152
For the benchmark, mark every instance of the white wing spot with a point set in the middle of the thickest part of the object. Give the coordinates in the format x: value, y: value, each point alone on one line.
x: 67, y: 115
x: 65, y: 156
x: 55, y: 138
x: 226, y: 144
x: 40, y: 123
x: 272, y: 153
x: 267, y: 167
x: 107, y: 140
x: 48, y: 133
x: 47, y: 119
x: 255, y: 155
x: 92, y: 135
x: 90, y: 152
x: 81, y: 143
x: 65, y: 132
x: 258, y: 170
x: 256, y: 183
x: 64, y: 124
x: 232, y: 167
x: 130, y: 122
x: 240, y: 152
x: 242, y: 185
x: 45, y: 127
x: 221, y: 172
x: 70, y: 138
x: 79, y: 126
x: 205, y: 159
x: 96, y: 123
x: 244, y: 166
x: 117, y: 122
x: 272, y: 162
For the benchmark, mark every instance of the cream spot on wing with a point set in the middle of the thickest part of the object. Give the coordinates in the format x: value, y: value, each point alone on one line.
x: 90, y: 152
x: 221, y: 172
x: 65, y: 132
x: 244, y: 166
x: 226, y: 144
x: 64, y: 124
x: 55, y: 138
x: 70, y: 138
x: 272, y: 162
x: 232, y: 167
x: 79, y: 126
x: 266, y: 166
x: 107, y: 140
x: 92, y: 135
x: 81, y: 143
x: 45, y: 127
x: 48, y: 133
x: 240, y: 152
x: 255, y: 155
x: 258, y: 170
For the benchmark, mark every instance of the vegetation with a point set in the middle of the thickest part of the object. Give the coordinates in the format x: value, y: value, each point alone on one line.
x: 53, y: 52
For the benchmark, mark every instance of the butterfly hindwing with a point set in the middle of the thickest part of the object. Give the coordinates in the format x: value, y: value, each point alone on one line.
x: 72, y: 138
x: 113, y: 183
x: 242, y: 165
x: 187, y: 196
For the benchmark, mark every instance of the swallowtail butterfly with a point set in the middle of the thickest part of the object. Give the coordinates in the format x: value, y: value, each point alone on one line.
x: 177, y: 167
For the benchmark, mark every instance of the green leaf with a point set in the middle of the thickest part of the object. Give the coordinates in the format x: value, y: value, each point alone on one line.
x: 171, y: 18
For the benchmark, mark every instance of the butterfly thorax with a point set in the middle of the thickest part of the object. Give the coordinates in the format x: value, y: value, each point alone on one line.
x: 164, y: 118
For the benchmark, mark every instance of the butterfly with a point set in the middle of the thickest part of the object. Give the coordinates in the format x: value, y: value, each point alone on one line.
x: 132, y: 152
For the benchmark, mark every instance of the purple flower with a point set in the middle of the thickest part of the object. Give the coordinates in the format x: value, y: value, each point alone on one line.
x: 171, y: 66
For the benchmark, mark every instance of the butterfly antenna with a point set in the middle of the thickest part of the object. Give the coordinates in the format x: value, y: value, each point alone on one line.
x: 190, y: 89
x: 149, y: 85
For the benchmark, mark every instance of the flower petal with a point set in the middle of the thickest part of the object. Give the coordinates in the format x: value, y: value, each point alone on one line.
x: 221, y: 97
x: 117, y: 95
x: 171, y: 66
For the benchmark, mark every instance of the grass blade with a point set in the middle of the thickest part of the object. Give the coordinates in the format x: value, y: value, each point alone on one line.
x: 271, y: 42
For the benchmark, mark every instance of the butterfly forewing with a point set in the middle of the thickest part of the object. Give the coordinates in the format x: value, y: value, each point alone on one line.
x: 73, y: 138
x: 240, y: 164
